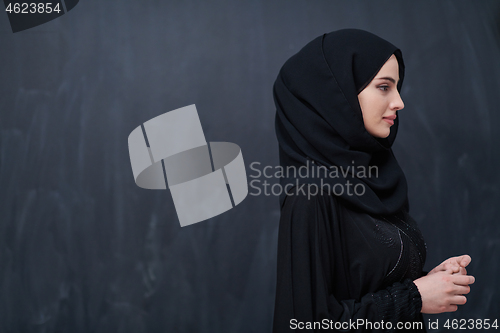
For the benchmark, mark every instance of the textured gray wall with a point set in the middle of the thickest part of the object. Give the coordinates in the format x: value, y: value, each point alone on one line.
x: 83, y: 249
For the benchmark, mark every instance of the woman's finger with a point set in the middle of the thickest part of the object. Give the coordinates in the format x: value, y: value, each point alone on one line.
x: 462, y: 290
x: 461, y: 271
x: 463, y: 260
x: 458, y: 300
x: 452, y: 266
x: 463, y: 280
x: 466, y: 259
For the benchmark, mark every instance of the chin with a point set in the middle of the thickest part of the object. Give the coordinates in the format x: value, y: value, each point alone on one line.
x: 379, y: 132
x: 385, y: 135
x: 382, y: 134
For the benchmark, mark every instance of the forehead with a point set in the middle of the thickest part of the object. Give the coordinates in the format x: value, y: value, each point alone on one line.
x: 390, y: 68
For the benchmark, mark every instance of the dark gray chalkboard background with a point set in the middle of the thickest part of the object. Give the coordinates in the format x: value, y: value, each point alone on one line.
x: 83, y: 249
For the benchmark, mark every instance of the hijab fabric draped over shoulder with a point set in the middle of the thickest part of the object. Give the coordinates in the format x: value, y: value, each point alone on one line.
x: 319, y: 122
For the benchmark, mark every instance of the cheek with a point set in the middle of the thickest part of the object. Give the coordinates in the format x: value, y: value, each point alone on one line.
x: 379, y: 108
x: 373, y: 107
x: 373, y: 110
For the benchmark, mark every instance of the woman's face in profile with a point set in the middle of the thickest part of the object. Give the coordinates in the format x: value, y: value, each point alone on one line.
x: 380, y: 100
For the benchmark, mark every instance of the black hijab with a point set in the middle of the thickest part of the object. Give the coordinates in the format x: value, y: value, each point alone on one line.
x: 319, y: 121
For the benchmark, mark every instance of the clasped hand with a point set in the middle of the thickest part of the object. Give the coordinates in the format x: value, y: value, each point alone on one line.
x: 444, y: 287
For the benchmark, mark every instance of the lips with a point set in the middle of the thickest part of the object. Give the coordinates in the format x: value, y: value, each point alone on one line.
x: 390, y: 119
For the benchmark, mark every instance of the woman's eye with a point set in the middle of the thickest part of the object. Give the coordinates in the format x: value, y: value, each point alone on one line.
x: 384, y: 88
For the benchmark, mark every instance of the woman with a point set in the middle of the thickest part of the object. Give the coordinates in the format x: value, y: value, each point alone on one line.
x: 349, y: 255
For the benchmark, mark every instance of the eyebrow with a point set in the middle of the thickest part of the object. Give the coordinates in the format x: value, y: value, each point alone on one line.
x: 387, y: 78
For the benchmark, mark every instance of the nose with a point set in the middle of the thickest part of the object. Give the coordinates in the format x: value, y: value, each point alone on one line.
x: 397, y: 102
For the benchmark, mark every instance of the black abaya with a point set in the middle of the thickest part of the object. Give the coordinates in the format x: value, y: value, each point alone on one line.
x: 338, y: 266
